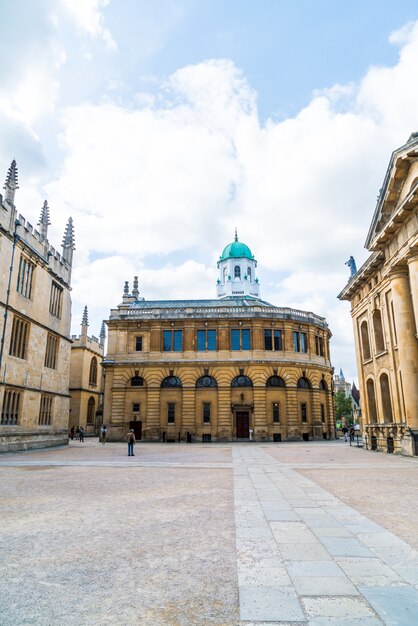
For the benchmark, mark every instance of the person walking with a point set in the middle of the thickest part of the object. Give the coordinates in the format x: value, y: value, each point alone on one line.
x: 72, y: 431
x: 103, y: 433
x: 131, y: 442
x: 81, y: 434
x: 345, y: 431
x: 351, y: 434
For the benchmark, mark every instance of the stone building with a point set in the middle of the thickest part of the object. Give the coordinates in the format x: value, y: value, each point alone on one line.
x: 86, y: 378
x: 384, y: 306
x: 35, y: 312
x: 224, y: 369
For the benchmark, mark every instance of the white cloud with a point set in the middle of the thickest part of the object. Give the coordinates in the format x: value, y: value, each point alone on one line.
x: 88, y: 15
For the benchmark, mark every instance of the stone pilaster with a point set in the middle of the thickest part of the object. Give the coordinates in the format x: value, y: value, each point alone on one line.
x: 413, y: 279
x: 407, y: 343
x: 224, y: 413
x: 188, y: 423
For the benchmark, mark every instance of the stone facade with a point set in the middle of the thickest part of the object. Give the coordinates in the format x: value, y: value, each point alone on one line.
x: 384, y: 306
x: 35, y: 313
x: 86, y: 379
x: 217, y: 370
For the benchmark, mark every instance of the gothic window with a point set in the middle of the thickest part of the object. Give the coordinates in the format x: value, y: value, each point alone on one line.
x: 19, y: 338
x: 90, y: 411
x: 10, y: 412
x: 171, y: 381
x: 51, y: 352
x: 237, y: 272
x: 364, y: 331
x: 242, y: 381
x: 93, y: 371
x: 206, y: 381
x: 378, y: 331
x: 25, y: 277
x: 240, y: 339
x: 206, y: 340
x: 173, y: 341
x: 137, y: 381
x: 45, y: 410
x: 303, y: 383
x: 55, y: 300
x: 386, y: 400
x: 275, y: 381
x: 371, y: 401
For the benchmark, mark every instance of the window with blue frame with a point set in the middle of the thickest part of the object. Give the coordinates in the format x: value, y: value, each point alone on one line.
x: 240, y: 339
x: 300, y: 342
x: 273, y: 339
x: 206, y: 340
x: 172, y: 340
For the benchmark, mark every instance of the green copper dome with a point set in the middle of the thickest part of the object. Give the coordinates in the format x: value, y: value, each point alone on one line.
x: 236, y: 250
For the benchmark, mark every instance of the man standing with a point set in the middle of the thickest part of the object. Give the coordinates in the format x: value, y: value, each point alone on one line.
x: 103, y: 434
x: 131, y: 442
x: 81, y: 434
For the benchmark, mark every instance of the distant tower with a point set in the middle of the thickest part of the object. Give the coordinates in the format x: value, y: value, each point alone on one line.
x: 237, y: 271
x: 341, y: 374
x: 44, y: 221
x: 68, y: 242
x: 85, y: 322
x: 11, y: 183
x: 135, y: 289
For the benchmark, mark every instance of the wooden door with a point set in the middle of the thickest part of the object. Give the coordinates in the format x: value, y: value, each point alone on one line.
x: 137, y: 426
x: 243, y: 424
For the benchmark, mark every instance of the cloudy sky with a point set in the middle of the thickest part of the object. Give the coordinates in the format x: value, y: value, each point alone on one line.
x: 160, y: 126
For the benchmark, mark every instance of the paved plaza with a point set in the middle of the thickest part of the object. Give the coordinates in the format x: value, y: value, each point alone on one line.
x: 223, y: 534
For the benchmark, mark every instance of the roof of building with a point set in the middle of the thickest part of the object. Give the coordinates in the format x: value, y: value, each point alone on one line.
x: 236, y: 250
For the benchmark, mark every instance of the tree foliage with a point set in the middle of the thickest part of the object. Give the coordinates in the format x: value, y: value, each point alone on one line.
x: 343, y: 405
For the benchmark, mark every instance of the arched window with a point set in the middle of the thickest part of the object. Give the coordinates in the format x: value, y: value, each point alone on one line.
x: 303, y: 383
x: 93, y: 371
x: 241, y: 381
x: 365, y: 340
x: 137, y: 381
x: 378, y: 331
x: 171, y: 381
x: 237, y: 272
x: 206, y: 381
x: 386, y: 401
x: 371, y: 401
x: 90, y: 411
x: 249, y: 273
x: 224, y: 274
x: 275, y: 381
x: 323, y: 385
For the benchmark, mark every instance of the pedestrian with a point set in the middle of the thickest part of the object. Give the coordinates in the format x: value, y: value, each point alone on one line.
x: 131, y: 442
x: 81, y: 434
x: 104, y: 431
x: 77, y: 433
x: 345, y: 431
x: 351, y: 434
x: 72, y: 431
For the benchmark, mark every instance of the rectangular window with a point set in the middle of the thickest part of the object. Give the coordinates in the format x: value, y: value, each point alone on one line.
x: 19, y: 338
x: 168, y: 341
x: 25, y: 277
x: 303, y: 412
x: 276, y: 412
x: 55, y: 301
x: 51, y: 352
x: 173, y: 340
x: 240, y: 339
x: 300, y: 342
x: 171, y: 413
x: 273, y: 340
x: 45, y: 411
x: 178, y: 340
x: 322, y: 413
x: 206, y: 412
x: 138, y: 344
x: 206, y: 340
x: 319, y: 346
x: 136, y: 407
x: 10, y: 409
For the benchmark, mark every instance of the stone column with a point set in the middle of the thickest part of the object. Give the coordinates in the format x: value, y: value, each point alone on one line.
x: 189, y: 410
x: 260, y: 412
x: 407, y: 343
x: 225, y: 430
x: 413, y: 279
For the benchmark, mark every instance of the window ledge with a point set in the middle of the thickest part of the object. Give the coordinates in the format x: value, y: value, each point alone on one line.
x: 367, y: 361
x: 382, y: 353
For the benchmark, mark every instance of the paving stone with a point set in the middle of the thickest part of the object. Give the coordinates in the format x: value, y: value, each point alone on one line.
x: 396, y: 606
x: 324, y: 586
x: 342, y: 621
x: 382, y: 540
x: 341, y: 546
x: 369, y: 572
x: 338, y: 607
x: 314, y: 568
x: 292, y: 532
x: 331, y: 531
x: 262, y: 576
x: 269, y: 604
x: 304, y: 552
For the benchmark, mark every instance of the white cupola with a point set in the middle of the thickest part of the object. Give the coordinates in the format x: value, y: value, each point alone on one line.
x: 237, y: 271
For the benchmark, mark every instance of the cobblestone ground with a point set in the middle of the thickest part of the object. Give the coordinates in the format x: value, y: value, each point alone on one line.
x: 214, y: 534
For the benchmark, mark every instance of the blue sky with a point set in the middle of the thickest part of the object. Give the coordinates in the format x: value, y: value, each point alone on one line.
x: 160, y: 126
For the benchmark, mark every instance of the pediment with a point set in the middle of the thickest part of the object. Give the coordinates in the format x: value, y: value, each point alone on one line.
x: 399, y: 191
